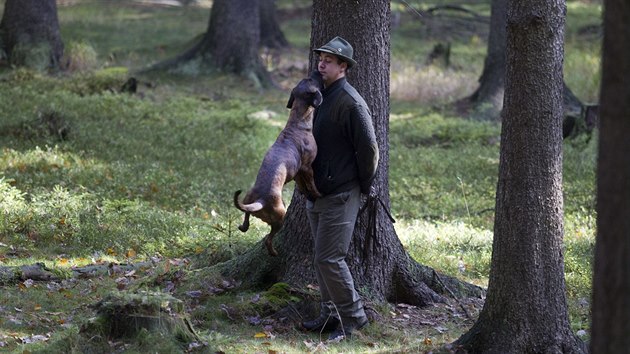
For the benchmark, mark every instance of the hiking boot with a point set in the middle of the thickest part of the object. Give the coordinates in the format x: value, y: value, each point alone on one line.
x: 345, y: 331
x: 325, y: 322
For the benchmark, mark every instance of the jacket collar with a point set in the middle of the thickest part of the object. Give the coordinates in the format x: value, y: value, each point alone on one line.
x: 335, y: 85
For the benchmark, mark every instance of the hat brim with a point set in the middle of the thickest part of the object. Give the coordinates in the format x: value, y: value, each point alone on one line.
x: 351, y: 62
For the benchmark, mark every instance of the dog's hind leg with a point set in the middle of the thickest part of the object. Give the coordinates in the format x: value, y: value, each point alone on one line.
x: 268, y: 240
x: 245, y: 225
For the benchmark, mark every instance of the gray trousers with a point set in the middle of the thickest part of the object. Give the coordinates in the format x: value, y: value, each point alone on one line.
x: 332, y: 220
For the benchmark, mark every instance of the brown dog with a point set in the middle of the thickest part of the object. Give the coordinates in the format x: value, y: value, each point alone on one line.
x: 289, y: 158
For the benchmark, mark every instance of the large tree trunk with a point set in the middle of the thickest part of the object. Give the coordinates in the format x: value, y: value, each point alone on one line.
x: 30, y: 33
x: 271, y: 35
x: 611, y: 283
x: 381, y: 267
x: 526, y: 309
x: 230, y: 44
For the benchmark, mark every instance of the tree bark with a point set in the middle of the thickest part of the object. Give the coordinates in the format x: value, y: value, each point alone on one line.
x: 230, y: 43
x: 271, y: 35
x: 30, y: 33
x: 611, y: 283
x: 526, y: 308
x: 381, y: 267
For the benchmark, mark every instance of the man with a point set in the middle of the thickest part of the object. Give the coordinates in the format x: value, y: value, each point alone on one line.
x: 347, y: 157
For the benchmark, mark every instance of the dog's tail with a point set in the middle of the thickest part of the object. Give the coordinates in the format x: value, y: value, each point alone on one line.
x: 247, y: 208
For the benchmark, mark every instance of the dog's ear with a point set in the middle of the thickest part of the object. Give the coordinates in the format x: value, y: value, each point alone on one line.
x: 318, y: 99
x: 290, y: 103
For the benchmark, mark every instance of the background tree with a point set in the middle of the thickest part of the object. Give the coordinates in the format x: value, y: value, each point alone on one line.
x: 487, y: 100
x: 230, y: 43
x: 30, y: 33
x: 526, y: 309
x: 381, y: 267
x: 271, y: 35
x: 489, y: 94
x: 611, y: 283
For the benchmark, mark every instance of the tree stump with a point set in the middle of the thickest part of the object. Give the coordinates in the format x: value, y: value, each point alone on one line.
x: 126, y: 314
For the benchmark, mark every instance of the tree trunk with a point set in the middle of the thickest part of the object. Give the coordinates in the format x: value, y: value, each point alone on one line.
x: 489, y: 95
x: 30, y: 34
x: 271, y: 35
x: 230, y: 43
x: 611, y: 283
x: 487, y: 101
x: 381, y: 267
x: 526, y: 309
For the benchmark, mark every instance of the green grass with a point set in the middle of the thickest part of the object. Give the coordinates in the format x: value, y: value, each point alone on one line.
x: 151, y: 176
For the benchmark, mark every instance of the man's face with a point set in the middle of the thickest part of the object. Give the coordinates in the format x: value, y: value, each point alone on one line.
x: 331, y: 68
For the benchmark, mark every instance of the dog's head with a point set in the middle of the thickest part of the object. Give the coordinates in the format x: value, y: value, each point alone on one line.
x: 309, y: 90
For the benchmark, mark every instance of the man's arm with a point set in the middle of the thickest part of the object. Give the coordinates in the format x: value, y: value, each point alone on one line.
x: 365, y: 145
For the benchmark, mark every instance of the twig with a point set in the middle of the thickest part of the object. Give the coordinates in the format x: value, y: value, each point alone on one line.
x: 412, y: 8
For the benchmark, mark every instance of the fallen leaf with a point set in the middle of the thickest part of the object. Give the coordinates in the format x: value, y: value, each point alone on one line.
x: 260, y: 335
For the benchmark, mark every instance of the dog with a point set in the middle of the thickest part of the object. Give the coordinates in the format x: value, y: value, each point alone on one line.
x: 289, y: 158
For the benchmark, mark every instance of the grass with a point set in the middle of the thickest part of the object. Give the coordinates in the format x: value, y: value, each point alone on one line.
x: 146, y: 177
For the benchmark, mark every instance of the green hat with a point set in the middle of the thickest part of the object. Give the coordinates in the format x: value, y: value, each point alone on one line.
x: 339, y: 47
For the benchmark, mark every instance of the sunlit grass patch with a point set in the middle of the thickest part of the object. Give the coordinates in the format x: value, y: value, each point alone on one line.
x: 454, y: 248
x: 430, y: 181
x: 582, y: 68
x: 430, y: 84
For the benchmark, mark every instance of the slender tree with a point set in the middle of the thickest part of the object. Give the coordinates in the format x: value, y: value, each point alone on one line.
x: 381, y: 267
x: 30, y: 33
x: 611, y: 283
x: 526, y: 309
